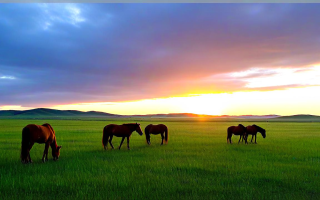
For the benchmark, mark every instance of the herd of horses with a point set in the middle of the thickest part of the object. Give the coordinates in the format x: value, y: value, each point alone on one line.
x: 244, y: 132
x: 33, y: 133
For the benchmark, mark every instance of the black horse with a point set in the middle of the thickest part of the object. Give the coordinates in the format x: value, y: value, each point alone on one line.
x: 236, y: 130
x: 253, y: 130
x: 124, y: 131
x: 157, y: 129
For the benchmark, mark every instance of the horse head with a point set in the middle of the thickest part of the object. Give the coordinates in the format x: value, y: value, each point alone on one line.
x: 56, y: 152
x: 138, y: 129
x: 263, y: 132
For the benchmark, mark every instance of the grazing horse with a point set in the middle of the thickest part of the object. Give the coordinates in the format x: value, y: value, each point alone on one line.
x: 40, y: 134
x: 252, y: 130
x: 157, y: 129
x: 236, y: 130
x: 124, y: 131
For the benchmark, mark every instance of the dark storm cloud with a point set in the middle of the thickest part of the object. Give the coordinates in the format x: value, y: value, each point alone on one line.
x: 72, y: 53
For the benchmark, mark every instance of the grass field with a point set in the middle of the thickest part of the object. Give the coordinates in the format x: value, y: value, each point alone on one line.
x: 197, y: 163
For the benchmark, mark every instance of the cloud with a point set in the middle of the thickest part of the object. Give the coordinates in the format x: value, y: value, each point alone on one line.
x: 73, y: 53
x: 8, y: 77
x: 59, y: 13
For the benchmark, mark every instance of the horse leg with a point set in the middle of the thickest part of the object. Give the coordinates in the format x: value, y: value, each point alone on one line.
x: 255, y: 138
x: 128, y: 142
x: 110, y: 141
x: 45, y: 152
x: 239, y: 139
x: 162, y: 137
x: 105, y: 146
x: 252, y: 138
x: 149, y: 139
x: 121, y: 142
x: 228, y: 140
x: 29, y: 149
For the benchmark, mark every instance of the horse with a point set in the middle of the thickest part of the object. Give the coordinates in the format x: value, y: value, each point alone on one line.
x: 157, y: 129
x: 40, y: 134
x: 236, y: 130
x: 124, y: 131
x: 252, y: 130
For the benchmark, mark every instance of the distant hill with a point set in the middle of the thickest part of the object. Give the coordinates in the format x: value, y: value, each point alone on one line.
x: 175, y: 115
x: 45, y: 112
x: 211, y: 116
x: 54, y: 114
x: 310, y: 118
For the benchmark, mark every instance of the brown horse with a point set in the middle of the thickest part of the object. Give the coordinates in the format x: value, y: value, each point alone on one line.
x: 157, y: 129
x: 236, y: 130
x: 124, y: 131
x: 40, y: 134
x: 252, y: 130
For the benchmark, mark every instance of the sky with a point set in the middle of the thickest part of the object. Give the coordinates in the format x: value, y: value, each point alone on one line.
x: 217, y: 59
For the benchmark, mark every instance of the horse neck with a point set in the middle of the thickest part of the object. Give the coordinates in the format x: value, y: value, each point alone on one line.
x: 132, y: 127
x: 54, y: 144
x: 259, y: 129
x: 240, y: 125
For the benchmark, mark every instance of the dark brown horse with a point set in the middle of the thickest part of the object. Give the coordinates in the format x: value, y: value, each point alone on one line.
x: 236, y: 130
x: 253, y: 130
x: 124, y: 131
x: 157, y: 129
x: 40, y: 134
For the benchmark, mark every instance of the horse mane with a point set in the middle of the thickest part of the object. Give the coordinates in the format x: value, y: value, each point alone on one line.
x: 131, y: 125
x: 258, y: 127
x: 242, y: 126
x: 54, y: 143
x: 50, y: 127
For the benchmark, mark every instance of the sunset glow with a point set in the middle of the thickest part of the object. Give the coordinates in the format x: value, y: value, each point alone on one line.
x: 284, y: 102
x: 212, y: 59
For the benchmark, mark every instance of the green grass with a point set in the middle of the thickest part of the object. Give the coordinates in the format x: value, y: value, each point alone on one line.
x: 197, y: 163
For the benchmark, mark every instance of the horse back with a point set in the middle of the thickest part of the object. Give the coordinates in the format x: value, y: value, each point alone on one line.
x: 38, y: 133
x: 117, y: 130
x: 156, y: 129
x: 251, y: 130
x: 236, y: 130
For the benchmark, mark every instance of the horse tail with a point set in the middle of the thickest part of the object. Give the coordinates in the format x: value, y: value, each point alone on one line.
x: 105, y: 137
x: 166, y: 135
x: 24, y: 144
x: 229, y: 133
x: 147, y: 133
